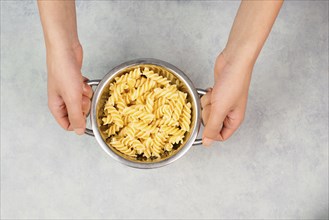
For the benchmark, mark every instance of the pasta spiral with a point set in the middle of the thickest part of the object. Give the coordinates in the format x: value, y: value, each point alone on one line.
x: 123, y: 148
x: 157, y: 78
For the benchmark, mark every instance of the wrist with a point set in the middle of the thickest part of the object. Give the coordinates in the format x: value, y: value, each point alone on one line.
x: 61, y: 46
x: 241, y: 53
x: 64, y: 60
x: 61, y: 41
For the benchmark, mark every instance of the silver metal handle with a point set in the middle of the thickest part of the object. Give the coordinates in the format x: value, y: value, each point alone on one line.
x: 92, y: 83
x: 201, y: 92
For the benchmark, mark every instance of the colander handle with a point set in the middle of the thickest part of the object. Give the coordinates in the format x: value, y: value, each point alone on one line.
x: 201, y: 92
x: 92, y: 83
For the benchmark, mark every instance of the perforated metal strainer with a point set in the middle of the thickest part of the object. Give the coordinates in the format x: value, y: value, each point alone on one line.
x: 165, y: 69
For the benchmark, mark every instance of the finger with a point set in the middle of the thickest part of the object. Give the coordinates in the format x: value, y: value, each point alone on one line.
x: 70, y: 128
x: 59, y: 112
x: 206, y: 99
x: 85, y: 105
x: 231, y: 124
x: 214, y: 126
x: 73, y: 102
x: 205, y: 114
x: 87, y: 90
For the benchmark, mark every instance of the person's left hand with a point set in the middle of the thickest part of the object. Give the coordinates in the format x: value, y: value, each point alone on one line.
x: 224, y: 106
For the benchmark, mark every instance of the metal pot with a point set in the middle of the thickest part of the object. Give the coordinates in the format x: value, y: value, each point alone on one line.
x: 101, y: 94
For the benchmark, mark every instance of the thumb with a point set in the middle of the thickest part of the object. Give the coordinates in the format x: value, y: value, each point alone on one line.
x: 73, y: 104
x: 214, y: 125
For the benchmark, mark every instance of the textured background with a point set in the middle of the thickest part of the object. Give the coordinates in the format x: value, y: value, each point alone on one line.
x: 275, y: 166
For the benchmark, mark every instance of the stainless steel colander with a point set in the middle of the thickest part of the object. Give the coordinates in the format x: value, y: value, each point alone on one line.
x: 101, y: 95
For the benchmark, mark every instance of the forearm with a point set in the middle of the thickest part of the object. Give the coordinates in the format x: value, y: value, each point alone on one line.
x: 251, y: 27
x: 58, y: 20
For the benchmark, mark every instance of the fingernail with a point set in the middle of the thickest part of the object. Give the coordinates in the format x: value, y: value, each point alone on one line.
x: 207, y: 141
x: 79, y: 131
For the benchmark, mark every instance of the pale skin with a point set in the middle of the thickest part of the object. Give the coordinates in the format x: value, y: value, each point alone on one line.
x: 223, y: 106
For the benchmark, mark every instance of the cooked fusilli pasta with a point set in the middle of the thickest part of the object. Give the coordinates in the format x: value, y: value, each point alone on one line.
x: 146, y: 114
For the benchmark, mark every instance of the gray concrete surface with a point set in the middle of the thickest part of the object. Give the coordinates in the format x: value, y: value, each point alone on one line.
x: 275, y: 166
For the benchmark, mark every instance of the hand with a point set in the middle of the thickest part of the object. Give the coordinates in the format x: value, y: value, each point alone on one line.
x: 224, y: 106
x: 68, y: 94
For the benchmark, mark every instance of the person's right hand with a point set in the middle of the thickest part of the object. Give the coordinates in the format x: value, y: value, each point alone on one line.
x: 68, y: 94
